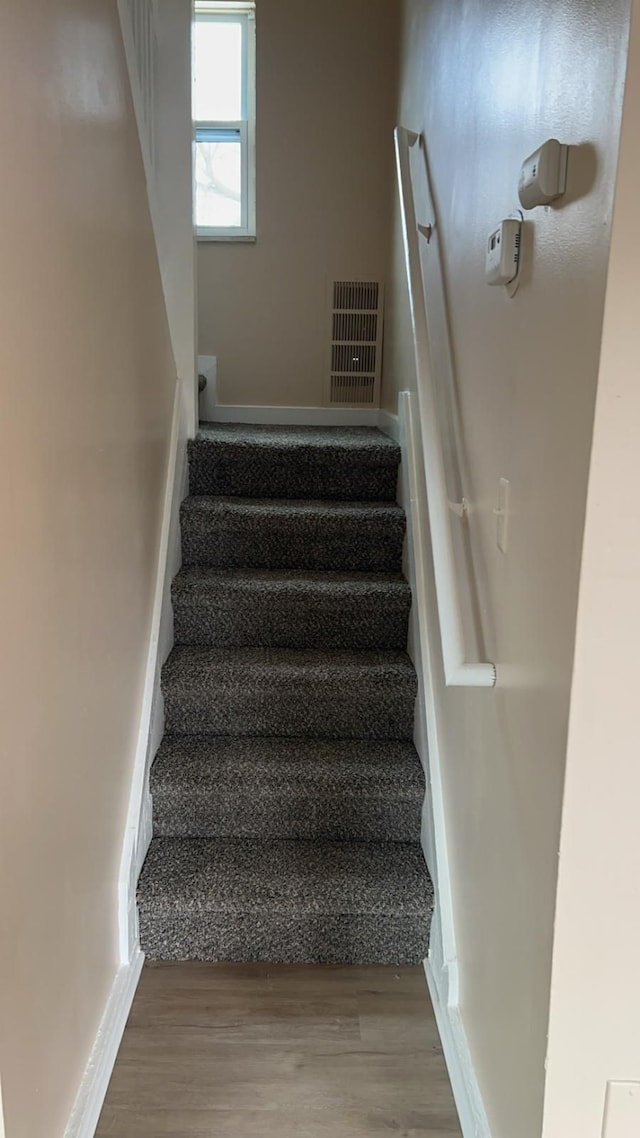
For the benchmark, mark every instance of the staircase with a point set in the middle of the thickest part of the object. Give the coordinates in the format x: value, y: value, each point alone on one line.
x: 287, y: 792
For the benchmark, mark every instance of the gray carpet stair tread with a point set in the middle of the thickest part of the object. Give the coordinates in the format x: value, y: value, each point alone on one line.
x: 227, y: 532
x: 287, y: 788
x: 294, y: 664
x: 286, y: 692
x: 291, y: 461
x: 285, y: 900
x: 303, y: 440
x: 294, y: 608
x: 224, y: 875
x: 201, y: 581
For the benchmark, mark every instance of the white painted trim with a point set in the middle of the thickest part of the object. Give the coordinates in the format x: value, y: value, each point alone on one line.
x: 208, y: 399
x: 170, y: 211
x: 390, y: 424
x: 297, y: 416
x: 442, y: 966
x: 151, y: 726
x: 229, y: 238
x: 423, y: 642
x: 466, y: 1092
x: 145, y: 127
x: 95, y: 1081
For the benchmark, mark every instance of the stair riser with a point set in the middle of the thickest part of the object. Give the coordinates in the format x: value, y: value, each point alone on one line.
x: 255, y: 814
x: 239, y: 621
x: 289, y: 709
x: 255, y: 473
x: 240, y: 938
x: 232, y: 541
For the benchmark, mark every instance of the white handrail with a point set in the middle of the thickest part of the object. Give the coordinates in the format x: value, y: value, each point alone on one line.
x: 458, y: 671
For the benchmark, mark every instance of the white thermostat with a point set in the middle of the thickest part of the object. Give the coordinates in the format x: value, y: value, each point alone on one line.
x: 503, y: 252
x: 543, y: 176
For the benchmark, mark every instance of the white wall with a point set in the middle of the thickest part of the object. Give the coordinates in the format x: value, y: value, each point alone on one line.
x: 487, y: 84
x: 87, y: 379
x: 325, y: 105
x: 594, y: 1030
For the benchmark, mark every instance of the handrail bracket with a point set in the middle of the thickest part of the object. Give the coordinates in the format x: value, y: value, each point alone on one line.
x: 426, y: 231
x: 460, y: 509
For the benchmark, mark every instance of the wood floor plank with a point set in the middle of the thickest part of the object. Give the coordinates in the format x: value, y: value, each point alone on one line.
x: 163, y: 976
x: 208, y: 1074
x: 262, y: 1017
x: 118, y: 1123
x: 263, y: 1051
x: 397, y: 1020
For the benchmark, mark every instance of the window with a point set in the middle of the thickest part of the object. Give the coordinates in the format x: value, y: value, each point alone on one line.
x: 224, y: 118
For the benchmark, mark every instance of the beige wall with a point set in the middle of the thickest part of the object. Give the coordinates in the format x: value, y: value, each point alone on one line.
x: 325, y: 88
x: 488, y: 83
x: 87, y: 381
x: 594, y: 1032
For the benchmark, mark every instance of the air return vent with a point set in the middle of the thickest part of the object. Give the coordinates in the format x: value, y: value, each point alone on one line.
x: 355, y: 355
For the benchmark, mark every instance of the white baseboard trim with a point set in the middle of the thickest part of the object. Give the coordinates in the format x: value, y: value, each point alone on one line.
x: 422, y: 647
x: 466, y: 1092
x: 145, y: 827
x: 390, y: 424
x: 137, y: 834
x: 93, y: 1088
x: 442, y: 966
x: 297, y: 416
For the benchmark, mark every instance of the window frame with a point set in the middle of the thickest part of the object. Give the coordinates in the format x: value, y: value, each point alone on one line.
x: 242, y: 130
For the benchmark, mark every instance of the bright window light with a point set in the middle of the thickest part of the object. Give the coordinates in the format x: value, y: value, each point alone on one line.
x: 224, y: 120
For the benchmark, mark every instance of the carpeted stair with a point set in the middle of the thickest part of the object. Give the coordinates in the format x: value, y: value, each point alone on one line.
x: 287, y: 793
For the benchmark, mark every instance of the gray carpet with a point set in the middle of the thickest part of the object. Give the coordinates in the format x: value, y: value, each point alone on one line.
x: 290, y: 609
x: 347, y: 463
x: 364, y: 790
x: 223, y: 899
x: 277, y: 691
x: 244, y: 533
x: 287, y: 792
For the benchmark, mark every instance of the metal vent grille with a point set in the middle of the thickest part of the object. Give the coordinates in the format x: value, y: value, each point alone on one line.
x: 356, y: 296
x: 355, y: 326
x: 353, y: 357
x: 355, y: 354
x: 350, y: 390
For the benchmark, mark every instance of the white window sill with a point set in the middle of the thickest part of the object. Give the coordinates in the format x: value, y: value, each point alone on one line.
x: 242, y: 238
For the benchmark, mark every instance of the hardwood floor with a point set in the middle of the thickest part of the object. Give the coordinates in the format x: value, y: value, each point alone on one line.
x: 279, y: 1051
